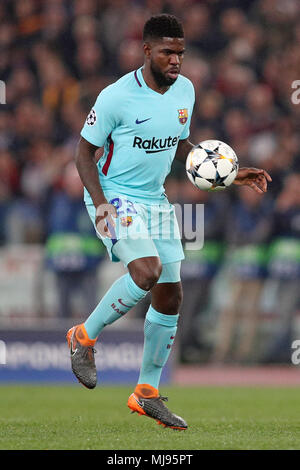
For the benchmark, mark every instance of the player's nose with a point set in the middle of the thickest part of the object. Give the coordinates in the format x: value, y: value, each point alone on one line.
x: 174, y: 59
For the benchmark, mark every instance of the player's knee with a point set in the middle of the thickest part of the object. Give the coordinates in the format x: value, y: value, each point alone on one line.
x: 146, y: 274
x: 148, y: 278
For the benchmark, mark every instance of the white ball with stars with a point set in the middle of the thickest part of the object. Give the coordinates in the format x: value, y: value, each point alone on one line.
x: 212, y: 165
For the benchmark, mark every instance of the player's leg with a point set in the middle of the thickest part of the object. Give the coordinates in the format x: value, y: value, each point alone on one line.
x: 166, y: 295
x: 122, y: 295
x: 160, y: 330
x: 144, y: 266
x: 159, y: 334
x: 129, y: 289
x: 125, y: 293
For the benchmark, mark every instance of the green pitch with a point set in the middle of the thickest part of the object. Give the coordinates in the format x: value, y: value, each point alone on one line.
x: 71, y: 417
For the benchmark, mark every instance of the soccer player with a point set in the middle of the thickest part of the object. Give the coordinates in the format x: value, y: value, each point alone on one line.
x: 142, y: 120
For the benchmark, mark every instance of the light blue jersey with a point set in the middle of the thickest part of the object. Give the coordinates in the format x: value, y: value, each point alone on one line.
x: 140, y: 130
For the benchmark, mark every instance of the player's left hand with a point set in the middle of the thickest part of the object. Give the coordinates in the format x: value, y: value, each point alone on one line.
x: 256, y: 178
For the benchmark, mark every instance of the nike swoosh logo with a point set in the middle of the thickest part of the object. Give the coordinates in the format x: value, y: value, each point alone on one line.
x: 140, y: 122
x: 72, y: 351
x: 124, y: 305
x: 140, y: 403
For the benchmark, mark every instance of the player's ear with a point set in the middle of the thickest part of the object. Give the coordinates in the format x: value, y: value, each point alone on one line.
x: 147, y: 49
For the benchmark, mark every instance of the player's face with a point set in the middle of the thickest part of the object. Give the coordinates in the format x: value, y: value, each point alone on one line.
x: 166, y: 56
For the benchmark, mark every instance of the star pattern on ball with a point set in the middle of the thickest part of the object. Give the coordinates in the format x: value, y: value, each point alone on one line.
x: 212, y: 165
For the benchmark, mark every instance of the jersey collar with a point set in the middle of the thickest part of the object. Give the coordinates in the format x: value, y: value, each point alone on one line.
x: 138, y: 75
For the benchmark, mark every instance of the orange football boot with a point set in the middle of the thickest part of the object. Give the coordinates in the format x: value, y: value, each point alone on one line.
x: 82, y: 355
x: 145, y: 400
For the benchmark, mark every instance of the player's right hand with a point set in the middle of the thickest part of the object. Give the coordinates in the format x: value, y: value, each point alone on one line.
x: 105, y: 215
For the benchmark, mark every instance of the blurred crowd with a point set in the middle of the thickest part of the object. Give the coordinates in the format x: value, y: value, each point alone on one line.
x: 243, y: 59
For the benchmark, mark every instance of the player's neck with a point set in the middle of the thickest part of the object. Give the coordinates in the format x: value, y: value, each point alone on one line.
x: 151, y: 83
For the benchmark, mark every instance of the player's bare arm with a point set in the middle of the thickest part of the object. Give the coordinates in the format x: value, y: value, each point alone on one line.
x: 256, y: 178
x: 88, y: 172
x: 184, y: 147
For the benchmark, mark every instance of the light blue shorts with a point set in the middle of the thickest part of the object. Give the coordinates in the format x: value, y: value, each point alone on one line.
x: 142, y: 230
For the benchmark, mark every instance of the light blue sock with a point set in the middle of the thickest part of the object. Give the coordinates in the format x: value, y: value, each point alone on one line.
x: 159, y: 334
x: 118, y: 300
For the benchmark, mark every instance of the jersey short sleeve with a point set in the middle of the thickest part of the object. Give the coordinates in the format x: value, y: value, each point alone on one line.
x: 102, y: 118
x: 191, y: 91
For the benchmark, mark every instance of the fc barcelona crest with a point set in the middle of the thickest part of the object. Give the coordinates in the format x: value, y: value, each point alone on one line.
x: 126, y: 221
x: 183, y: 115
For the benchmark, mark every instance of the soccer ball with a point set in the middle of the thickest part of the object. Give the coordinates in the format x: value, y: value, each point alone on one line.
x: 212, y: 165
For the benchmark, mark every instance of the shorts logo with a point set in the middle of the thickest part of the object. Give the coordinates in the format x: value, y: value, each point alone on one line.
x: 182, y: 115
x: 126, y: 221
x: 92, y: 118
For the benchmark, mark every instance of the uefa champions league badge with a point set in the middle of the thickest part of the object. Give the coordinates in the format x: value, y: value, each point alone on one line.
x: 182, y: 115
x: 92, y: 118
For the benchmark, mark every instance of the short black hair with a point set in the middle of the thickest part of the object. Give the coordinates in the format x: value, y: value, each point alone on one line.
x: 163, y: 25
